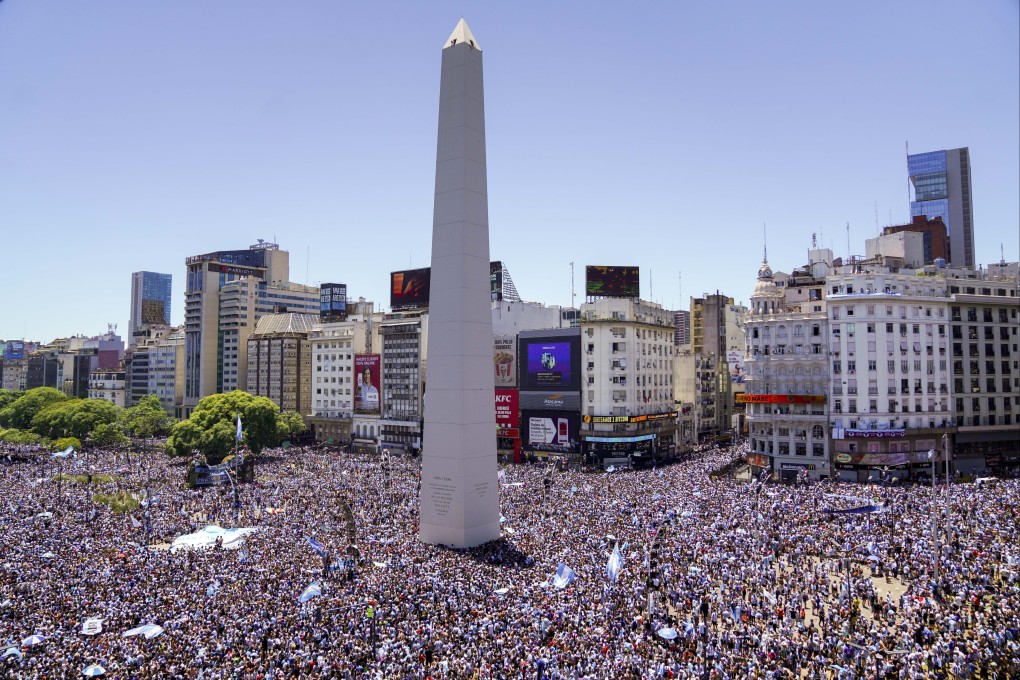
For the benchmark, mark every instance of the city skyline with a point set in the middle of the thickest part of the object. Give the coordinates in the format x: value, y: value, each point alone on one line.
x: 203, y: 129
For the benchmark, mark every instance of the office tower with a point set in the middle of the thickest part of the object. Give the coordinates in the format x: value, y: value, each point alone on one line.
x: 280, y: 360
x: 150, y: 301
x: 226, y: 293
x: 459, y: 490
x: 942, y: 188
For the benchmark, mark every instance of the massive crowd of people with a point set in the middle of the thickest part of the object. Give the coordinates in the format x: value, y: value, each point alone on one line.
x: 754, y: 580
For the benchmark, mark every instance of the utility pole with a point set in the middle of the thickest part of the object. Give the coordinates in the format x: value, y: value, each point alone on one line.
x: 572, y: 295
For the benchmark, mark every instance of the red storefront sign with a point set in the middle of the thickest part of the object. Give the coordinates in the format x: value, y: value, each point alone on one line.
x: 508, y: 413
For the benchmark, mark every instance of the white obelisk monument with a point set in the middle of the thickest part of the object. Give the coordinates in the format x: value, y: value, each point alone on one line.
x: 459, y: 489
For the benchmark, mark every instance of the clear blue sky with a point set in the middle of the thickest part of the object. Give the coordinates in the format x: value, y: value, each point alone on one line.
x: 134, y: 134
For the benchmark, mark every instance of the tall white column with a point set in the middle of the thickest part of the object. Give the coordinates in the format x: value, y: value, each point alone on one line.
x: 459, y: 489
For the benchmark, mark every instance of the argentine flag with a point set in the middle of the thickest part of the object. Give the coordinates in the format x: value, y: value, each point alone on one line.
x: 615, y: 564
x: 564, y: 576
x: 238, y: 427
x: 316, y: 546
x: 313, y: 590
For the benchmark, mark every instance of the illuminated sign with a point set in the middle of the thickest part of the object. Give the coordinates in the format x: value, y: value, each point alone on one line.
x: 602, y: 281
x: 235, y: 270
x: 630, y: 419
x: 780, y: 398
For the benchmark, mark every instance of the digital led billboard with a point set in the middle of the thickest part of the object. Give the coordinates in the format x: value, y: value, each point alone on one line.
x: 409, y: 289
x: 333, y: 301
x: 14, y: 350
x: 496, y: 280
x: 603, y: 281
x: 550, y: 361
x: 367, y: 377
x: 554, y: 431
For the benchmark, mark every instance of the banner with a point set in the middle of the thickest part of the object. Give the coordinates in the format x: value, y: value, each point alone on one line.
x: 508, y: 415
x: 504, y: 359
x: 367, y: 374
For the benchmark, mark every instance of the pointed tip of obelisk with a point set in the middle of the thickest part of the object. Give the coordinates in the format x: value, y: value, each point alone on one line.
x: 462, y: 34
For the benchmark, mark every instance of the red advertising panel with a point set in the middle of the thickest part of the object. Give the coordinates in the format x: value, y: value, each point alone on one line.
x: 367, y: 376
x: 508, y: 414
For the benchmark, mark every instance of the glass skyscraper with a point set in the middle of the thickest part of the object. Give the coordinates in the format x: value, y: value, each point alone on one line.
x: 150, y: 300
x: 941, y: 184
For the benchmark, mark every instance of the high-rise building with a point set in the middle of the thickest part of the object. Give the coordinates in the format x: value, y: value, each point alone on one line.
x: 627, y: 380
x: 942, y: 188
x: 280, y: 360
x: 682, y: 323
x: 714, y: 394
x: 226, y: 293
x: 150, y: 301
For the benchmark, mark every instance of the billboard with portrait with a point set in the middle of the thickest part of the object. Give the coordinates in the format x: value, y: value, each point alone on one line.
x: 603, y: 281
x: 735, y: 361
x: 551, y: 363
x: 14, y: 350
x: 409, y: 288
x: 367, y: 375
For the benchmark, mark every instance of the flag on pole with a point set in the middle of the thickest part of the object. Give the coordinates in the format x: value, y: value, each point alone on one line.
x: 615, y: 564
x: 564, y: 576
x: 313, y: 590
x: 316, y: 546
x: 238, y: 427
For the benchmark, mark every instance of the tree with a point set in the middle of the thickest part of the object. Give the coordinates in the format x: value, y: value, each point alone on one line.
x: 108, y: 435
x: 62, y: 444
x: 8, y: 397
x: 290, y: 424
x: 212, y: 426
x: 74, y: 417
x: 20, y: 413
x: 147, y: 418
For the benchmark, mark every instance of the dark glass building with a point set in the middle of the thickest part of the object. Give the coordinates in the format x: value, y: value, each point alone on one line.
x: 942, y: 188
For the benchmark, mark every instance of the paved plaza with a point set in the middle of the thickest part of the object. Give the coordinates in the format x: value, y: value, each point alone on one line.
x: 753, y: 580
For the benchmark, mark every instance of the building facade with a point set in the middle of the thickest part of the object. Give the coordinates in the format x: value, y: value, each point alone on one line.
x: 279, y: 356
x: 155, y: 365
x: 333, y: 381
x: 787, y: 376
x: 108, y: 385
x: 941, y: 182
x: 628, y: 406
x: 714, y: 393
x: 889, y: 347
x: 403, y: 340
x: 151, y: 294
x: 983, y: 321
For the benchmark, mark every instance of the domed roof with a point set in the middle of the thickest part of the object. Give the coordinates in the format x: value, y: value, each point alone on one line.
x: 764, y: 271
x: 765, y: 286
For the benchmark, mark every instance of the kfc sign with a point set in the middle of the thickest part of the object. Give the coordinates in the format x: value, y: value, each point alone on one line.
x: 508, y: 415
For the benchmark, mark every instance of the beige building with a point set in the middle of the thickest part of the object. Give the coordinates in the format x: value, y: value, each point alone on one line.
x: 279, y: 356
x: 332, y: 379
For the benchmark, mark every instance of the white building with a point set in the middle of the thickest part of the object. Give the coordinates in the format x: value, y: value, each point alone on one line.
x: 627, y: 352
x: 890, y: 370
x: 108, y: 385
x: 332, y: 378
x: 787, y: 375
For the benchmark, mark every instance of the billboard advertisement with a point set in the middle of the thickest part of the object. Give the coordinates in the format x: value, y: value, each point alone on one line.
x: 14, y: 350
x: 496, y: 280
x: 553, y: 431
x: 504, y: 359
x: 333, y: 300
x: 367, y: 376
x: 735, y: 361
x: 508, y: 415
x: 551, y: 363
x: 409, y: 289
x: 602, y: 281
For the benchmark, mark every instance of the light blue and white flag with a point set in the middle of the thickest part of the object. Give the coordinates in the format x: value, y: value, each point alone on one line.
x: 313, y: 590
x: 213, y: 588
x: 615, y: 564
x: 242, y: 555
x: 238, y: 427
x: 564, y: 576
x: 65, y: 453
x: 135, y: 523
x: 316, y: 546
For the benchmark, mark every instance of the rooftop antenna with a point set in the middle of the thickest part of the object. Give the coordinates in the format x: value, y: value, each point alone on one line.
x: 1002, y: 255
x: 680, y: 288
x: 848, y: 253
x: 308, y: 257
x: 572, y: 294
x: 765, y: 241
x: 877, y: 231
x: 651, y: 287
